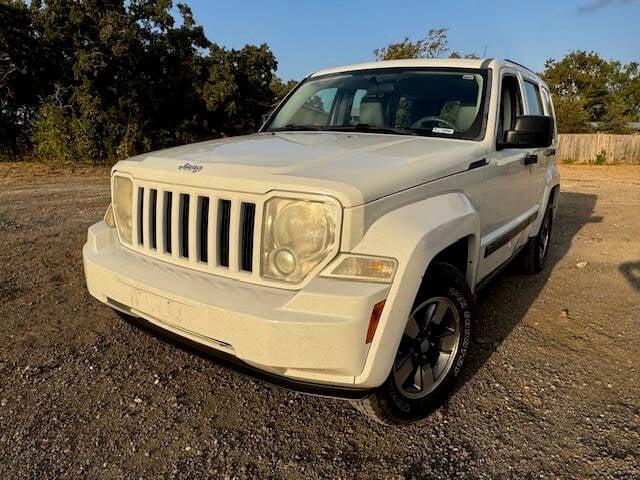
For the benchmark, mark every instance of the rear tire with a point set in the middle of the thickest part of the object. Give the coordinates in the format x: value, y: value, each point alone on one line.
x: 432, y: 351
x: 535, y: 253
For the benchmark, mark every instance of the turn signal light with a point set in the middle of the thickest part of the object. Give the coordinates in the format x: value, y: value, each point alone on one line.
x: 375, y: 319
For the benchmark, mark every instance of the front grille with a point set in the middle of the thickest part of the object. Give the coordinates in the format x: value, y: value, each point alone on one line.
x: 209, y: 231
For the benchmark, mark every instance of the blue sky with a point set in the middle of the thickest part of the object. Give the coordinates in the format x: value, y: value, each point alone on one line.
x: 308, y: 35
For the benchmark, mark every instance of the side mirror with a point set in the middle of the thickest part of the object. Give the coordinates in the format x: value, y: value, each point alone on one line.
x: 530, y: 131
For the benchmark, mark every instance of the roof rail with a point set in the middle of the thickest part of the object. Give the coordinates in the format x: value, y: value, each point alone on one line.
x: 520, y: 65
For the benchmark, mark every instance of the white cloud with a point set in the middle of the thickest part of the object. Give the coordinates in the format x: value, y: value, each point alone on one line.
x: 598, y: 4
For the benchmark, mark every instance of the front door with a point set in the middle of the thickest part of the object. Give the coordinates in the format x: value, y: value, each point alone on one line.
x: 511, y: 195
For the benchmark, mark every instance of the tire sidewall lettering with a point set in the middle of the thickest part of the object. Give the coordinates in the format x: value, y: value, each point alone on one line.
x: 463, y: 303
x: 466, y: 333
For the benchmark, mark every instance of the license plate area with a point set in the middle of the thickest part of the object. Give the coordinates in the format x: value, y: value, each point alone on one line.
x: 161, y: 308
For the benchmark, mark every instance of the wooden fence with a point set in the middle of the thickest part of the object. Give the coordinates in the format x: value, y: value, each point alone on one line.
x: 599, y: 148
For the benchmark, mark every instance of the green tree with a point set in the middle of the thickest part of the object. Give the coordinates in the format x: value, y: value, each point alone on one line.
x: 571, y: 115
x: 23, y: 77
x: 467, y: 55
x: 104, y: 79
x: 281, y: 89
x: 238, y: 90
x: 435, y: 44
x: 588, y: 88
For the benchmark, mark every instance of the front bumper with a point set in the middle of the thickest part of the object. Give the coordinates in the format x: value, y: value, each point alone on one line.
x: 314, y: 336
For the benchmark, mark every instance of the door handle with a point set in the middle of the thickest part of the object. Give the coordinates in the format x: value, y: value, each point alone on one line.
x: 530, y: 159
x: 549, y: 152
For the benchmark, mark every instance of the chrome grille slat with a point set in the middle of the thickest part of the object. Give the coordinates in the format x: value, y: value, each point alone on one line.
x: 234, y: 236
x: 212, y: 238
x: 160, y: 246
x: 257, y: 222
x: 193, y: 228
x: 145, y: 217
x: 198, y: 228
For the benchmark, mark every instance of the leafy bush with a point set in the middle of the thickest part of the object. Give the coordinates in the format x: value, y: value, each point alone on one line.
x: 52, y: 134
x: 601, y: 158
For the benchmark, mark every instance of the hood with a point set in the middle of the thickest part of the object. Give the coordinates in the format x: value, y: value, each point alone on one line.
x: 355, y: 167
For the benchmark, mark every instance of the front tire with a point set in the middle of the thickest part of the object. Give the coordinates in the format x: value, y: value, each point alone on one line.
x: 432, y: 351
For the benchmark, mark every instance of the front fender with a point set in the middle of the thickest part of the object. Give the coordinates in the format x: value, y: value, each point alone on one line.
x: 414, y: 235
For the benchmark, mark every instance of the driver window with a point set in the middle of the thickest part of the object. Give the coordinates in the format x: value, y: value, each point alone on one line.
x: 510, y: 105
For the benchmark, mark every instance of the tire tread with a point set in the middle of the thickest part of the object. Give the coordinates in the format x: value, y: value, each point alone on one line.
x: 377, y: 406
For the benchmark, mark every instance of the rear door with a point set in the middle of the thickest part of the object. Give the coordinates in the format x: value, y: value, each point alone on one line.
x: 537, y: 158
x: 549, y: 153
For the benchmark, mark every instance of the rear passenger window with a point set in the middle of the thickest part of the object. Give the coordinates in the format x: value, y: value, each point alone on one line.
x: 534, y: 100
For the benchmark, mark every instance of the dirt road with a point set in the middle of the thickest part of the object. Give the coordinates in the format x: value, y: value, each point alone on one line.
x: 553, y: 390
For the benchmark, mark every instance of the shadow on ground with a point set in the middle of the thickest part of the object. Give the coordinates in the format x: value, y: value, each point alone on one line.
x: 504, y: 303
x: 631, y: 272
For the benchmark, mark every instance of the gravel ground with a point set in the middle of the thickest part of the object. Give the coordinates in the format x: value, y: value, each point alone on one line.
x: 553, y: 390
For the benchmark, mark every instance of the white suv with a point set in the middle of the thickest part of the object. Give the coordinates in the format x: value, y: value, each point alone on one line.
x: 338, y: 250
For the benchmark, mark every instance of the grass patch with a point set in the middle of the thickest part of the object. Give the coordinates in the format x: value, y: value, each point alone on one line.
x: 601, y: 158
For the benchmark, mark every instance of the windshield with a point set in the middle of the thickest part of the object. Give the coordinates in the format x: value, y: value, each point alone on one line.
x: 433, y: 102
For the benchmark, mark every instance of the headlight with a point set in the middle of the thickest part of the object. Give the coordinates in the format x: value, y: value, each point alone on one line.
x: 122, y: 202
x: 298, y: 236
x: 360, y: 267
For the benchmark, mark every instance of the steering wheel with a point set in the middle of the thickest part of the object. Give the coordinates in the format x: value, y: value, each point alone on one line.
x: 429, y: 118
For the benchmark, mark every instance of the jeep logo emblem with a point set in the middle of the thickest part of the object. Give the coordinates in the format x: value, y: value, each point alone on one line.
x: 190, y: 168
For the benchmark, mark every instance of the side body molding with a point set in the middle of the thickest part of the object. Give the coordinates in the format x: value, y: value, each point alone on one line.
x: 414, y: 235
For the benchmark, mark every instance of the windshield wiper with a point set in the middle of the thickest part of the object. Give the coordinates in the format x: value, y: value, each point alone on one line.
x: 366, y: 128
x: 360, y: 127
x: 292, y: 127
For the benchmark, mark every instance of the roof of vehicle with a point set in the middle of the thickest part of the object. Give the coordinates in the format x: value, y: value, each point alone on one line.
x: 428, y: 62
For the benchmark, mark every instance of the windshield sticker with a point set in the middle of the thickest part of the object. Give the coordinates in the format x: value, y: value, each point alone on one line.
x: 446, y: 131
